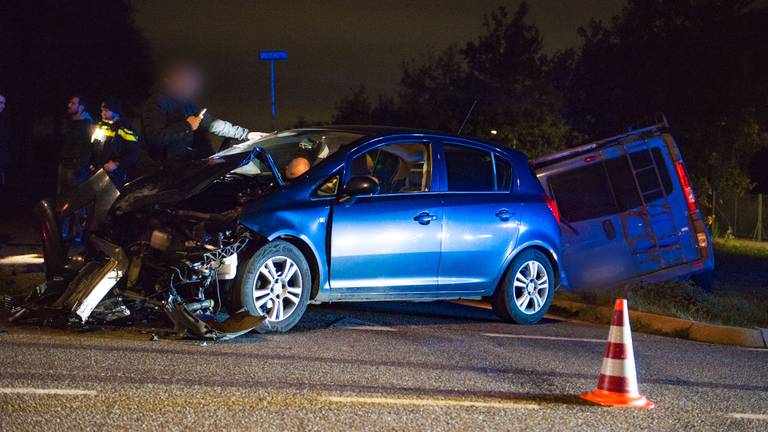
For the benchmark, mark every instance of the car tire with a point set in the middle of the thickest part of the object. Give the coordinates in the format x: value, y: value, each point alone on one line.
x: 264, y: 288
x: 529, y: 275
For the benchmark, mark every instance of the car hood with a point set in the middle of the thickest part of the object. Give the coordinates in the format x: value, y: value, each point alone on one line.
x: 185, y: 180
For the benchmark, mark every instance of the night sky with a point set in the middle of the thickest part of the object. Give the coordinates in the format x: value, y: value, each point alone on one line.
x: 333, y: 45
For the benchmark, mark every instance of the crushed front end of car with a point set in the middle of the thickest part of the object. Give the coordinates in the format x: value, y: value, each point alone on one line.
x: 167, y: 243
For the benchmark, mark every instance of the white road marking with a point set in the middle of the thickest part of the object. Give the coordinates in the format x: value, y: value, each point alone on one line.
x: 749, y: 416
x: 356, y: 324
x: 516, y: 336
x: 374, y: 328
x: 753, y: 349
x: 41, y: 391
x: 428, y: 402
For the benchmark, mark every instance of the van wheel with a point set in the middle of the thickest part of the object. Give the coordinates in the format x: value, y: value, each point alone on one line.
x: 527, y: 290
x: 704, y: 280
x: 276, y: 283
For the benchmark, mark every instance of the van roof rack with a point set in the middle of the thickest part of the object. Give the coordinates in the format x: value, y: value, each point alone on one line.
x: 653, y: 124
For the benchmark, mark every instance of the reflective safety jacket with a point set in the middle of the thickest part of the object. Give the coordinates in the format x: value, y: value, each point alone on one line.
x: 114, y: 141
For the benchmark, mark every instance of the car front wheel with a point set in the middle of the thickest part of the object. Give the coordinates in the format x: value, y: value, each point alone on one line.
x: 275, y: 283
x: 527, y: 290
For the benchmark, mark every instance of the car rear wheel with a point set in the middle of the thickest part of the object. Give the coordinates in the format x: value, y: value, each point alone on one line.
x: 276, y: 283
x: 526, y: 292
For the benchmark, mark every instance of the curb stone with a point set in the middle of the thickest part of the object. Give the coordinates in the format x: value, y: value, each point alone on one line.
x: 676, y: 327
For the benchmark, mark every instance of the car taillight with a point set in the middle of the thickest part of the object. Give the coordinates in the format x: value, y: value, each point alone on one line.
x: 553, y: 208
x: 690, y: 200
x: 702, y: 239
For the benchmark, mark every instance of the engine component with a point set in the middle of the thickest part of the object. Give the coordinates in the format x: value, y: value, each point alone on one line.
x: 227, y: 268
x: 160, y: 240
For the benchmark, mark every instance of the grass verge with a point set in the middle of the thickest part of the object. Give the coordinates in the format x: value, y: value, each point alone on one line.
x: 684, y: 300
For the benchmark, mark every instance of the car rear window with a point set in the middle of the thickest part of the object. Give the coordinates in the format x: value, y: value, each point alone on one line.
x: 599, y: 190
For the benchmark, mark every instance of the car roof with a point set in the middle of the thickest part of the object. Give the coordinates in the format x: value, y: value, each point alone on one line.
x: 373, y: 131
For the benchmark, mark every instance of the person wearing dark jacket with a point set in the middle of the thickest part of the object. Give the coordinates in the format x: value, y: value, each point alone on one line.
x: 74, y: 161
x: 75, y: 149
x: 173, y: 125
x: 114, y: 144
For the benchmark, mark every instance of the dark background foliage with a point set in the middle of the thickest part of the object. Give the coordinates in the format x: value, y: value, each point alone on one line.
x: 702, y: 62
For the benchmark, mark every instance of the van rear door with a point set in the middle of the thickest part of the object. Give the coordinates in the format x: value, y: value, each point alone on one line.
x: 652, y: 217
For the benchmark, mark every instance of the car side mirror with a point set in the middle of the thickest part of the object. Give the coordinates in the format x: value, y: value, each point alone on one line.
x: 361, y: 185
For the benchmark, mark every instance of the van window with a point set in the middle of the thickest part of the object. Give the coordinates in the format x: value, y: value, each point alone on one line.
x: 583, y: 193
x: 469, y: 169
x: 599, y: 190
x: 620, y: 172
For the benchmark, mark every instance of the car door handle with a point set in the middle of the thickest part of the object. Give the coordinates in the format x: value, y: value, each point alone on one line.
x: 425, y: 218
x: 609, y: 229
x: 504, y: 215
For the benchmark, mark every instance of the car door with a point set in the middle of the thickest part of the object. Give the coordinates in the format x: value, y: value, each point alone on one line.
x: 388, y: 244
x: 480, y: 217
x: 595, y: 252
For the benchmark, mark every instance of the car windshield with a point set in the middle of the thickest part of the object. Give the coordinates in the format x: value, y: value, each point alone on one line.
x: 293, y: 151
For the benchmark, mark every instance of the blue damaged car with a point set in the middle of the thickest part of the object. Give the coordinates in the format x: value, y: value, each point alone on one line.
x: 329, y: 214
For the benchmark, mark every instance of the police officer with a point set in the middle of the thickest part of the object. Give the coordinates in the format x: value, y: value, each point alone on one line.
x: 114, y: 145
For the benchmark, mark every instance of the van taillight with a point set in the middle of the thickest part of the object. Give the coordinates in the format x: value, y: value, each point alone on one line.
x: 686, y: 185
x: 553, y: 208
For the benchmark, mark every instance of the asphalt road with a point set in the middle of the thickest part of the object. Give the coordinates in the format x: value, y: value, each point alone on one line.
x: 426, y: 366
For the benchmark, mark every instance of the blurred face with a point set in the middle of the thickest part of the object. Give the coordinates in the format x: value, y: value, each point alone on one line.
x: 184, y: 82
x: 2, y: 103
x: 74, y: 107
x: 107, y: 114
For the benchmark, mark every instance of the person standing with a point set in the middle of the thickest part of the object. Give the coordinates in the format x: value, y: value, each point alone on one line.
x: 74, y: 161
x: 75, y: 149
x: 5, y: 142
x: 114, y: 145
x: 173, y: 124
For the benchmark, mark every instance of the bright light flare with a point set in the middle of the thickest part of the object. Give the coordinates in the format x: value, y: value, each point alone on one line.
x: 22, y: 259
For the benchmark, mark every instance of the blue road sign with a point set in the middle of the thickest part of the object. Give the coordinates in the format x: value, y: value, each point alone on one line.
x: 273, y: 55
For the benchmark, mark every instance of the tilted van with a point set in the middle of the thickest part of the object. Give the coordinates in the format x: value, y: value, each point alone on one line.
x: 627, y: 210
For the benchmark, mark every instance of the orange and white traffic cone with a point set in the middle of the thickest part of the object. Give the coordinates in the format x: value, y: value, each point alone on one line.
x: 617, y: 385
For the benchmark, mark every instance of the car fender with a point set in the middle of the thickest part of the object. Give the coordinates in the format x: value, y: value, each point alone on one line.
x: 306, y: 225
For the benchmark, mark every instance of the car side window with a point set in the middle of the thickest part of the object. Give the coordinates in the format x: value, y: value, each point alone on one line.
x: 328, y: 188
x: 399, y: 168
x: 469, y: 169
x: 503, y: 173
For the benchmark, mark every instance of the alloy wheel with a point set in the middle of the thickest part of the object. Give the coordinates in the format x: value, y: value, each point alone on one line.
x: 277, y: 288
x: 531, y: 287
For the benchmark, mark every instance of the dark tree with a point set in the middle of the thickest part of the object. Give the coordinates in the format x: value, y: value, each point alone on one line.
x: 50, y: 50
x: 504, y: 70
x: 702, y: 62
